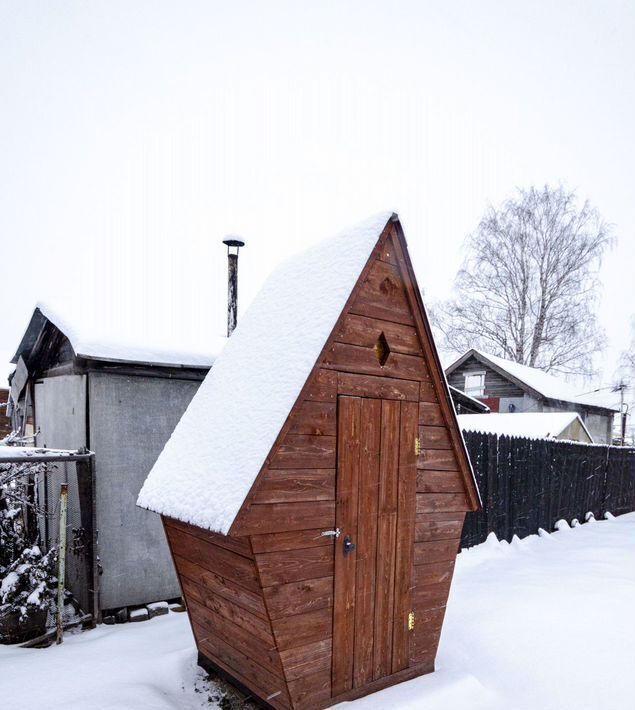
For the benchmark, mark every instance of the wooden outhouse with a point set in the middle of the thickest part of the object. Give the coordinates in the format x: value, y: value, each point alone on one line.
x: 314, y: 492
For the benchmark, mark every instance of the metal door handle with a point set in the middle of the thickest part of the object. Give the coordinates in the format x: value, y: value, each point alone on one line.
x: 348, y: 545
x: 330, y: 533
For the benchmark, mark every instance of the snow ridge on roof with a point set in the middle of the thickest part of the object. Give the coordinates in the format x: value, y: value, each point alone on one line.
x: 210, y: 462
x: 542, y: 382
x: 533, y: 425
x: 87, y: 342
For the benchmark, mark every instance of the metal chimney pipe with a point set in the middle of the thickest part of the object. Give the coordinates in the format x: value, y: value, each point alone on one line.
x: 233, y: 242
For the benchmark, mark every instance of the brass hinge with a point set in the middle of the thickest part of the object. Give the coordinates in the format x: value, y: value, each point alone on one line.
x: 411, y: 621
x: 417, y: 446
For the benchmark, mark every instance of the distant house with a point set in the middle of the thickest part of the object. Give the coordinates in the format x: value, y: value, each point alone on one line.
x: 122, y: 402
x: 531, y: 425
x: 509, y: 387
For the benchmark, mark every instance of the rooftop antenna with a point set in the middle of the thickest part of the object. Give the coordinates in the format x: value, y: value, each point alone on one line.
x: 233, y: 242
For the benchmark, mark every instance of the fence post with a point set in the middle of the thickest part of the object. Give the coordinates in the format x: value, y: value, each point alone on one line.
x: 491, y: 506
x: 86, y: 495
x: 61, y: 561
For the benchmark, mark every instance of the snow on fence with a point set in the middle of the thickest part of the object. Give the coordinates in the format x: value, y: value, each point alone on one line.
x: 526, y: 484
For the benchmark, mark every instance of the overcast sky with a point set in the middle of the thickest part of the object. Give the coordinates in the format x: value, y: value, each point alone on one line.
x: 134, y: 135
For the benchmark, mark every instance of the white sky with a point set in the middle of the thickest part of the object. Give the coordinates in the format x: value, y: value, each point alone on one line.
x: 134, y: 135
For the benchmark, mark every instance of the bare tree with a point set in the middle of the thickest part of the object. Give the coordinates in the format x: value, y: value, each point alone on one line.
x: 528, y: 285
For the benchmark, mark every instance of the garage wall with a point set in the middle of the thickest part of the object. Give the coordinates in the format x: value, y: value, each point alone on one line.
x: 130, y: 419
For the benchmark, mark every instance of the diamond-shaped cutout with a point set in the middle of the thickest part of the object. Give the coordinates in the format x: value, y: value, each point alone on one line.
x: 382, y: 349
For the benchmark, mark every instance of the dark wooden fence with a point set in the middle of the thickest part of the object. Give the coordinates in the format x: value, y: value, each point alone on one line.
x: 526, y: 484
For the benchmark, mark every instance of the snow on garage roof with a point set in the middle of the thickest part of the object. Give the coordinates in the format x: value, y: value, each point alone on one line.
x: 210, y: 462
x: 92, y: 339
x: 538, y: 380
x: 533, y: 425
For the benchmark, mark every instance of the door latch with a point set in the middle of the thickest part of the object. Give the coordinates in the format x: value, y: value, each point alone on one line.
x: 411, y: 621
x: 348, y: 545
x: 418, y: 447
x: 330, y: 533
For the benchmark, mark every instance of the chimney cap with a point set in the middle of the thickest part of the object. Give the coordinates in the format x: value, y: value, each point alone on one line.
x: 234, y: 240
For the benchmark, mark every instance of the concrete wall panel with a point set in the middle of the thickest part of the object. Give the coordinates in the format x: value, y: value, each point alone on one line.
x: 131, y: 418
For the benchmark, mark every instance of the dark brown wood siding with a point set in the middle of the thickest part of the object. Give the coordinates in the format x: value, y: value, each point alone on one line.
x: 225, y: 602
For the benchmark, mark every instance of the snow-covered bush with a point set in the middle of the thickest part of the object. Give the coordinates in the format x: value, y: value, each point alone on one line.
x: 12, y: 540
x: 27, y: 577
x: 27, y: 592
x: 30, y: 582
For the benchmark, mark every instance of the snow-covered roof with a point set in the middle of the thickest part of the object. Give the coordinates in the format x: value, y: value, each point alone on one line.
x: 533, y: 425
x: 459, y: 394
x: 211, y: 461
x: 538, y: 380
x: 92, y: 339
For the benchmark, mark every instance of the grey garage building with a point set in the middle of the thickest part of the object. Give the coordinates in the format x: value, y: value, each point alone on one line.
x: 123, y: 405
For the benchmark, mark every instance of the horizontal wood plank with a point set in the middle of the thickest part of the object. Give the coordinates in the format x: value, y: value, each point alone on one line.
x: 436, y: 502
x: 379, y: 387
x: 290, y: 540
x: 323, y: 388
x: 430, y: 414
x: 306, y: 660
x: 430, y: 596
x: 434, y: 437
x: 279, y: 517
x: 224, y: 562
x: 438, y: 459
x: 311, y: 689
x: 353, y: 358
x: 364, y: 331
x: 299, y: 597
x: 240, y: 545
x: 248, y: 644
x: 429, y: 481
x: 427, y: 633
x: 288, y: 485
x: 439, y: 526
x: 434, y: 573
x: 302, y: 629
x: 382, y: 295
x: 302, y: 451
x: 427, y: 393
x: 315, y: 419
x: 246, y: 670
x: 256, y: 625
x: 212, y: 583
x: 436, y: 551
x: 295, y: 565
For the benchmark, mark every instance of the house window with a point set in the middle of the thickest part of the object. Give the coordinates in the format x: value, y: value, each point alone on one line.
x: 475, y: 384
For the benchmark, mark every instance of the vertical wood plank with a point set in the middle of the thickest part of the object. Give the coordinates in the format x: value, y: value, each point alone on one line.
x: 366, y: 541
x: 405, y: 535
x: 386, y: 538
x: 349, y: 423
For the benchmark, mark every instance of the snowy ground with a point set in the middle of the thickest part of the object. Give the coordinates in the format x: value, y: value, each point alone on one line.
x: 546, y: 622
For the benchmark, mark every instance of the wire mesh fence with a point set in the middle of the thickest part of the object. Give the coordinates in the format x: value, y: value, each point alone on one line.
x: 48, y: 571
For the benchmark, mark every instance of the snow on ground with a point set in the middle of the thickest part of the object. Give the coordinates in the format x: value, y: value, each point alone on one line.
x: 545, y: 623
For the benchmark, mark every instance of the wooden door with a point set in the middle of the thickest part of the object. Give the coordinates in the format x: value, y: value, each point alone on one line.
x: 375, y: 512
